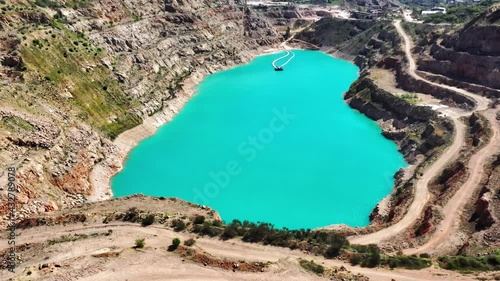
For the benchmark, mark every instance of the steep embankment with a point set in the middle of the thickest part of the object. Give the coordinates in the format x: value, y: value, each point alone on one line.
x: 471, y: 54
x: 75, y: 74
x: 455, y: 205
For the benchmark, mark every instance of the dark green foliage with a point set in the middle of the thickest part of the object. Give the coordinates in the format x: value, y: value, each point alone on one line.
x: 175, y: 243
x: 178, y: 225
x: 229, y: 232
x: 208, y: 228
x: 318, y: 242
x: 408, y: 262
x: 132, y: 215
x: 356, y: 259
x: 337, y: 243
x: 199, y: 220
x: 148, y: 220
x: 48, y: 3
x: 139, y: 243
x: 469, y: 263
x: 366, y: 256
x: 312, y: 266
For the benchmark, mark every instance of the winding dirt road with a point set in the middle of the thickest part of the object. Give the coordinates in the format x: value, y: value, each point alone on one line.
x: 155, y: 263
x: 454, y: 207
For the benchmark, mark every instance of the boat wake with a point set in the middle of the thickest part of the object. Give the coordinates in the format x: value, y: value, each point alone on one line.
x: 288, y: 54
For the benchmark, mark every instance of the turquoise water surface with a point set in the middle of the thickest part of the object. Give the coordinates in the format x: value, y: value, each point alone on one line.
x: 272, y: 146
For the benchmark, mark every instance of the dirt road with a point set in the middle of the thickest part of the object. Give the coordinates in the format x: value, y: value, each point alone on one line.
x: 155, y: 263
x: 454, y: 207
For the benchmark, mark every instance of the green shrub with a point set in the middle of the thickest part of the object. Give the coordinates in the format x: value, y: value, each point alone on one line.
x: 148, y: 220
x: 229, y: 233
x: 337, y: 243
x: 139, y: 243
x: 132, y: 215
x: 207, y: 229
x: 199, y: 219
x: 312, y: 266
x: 408, y: 262
x: 178, y: 225
x: 366, y: 256
x: 175, y: 243
x: 356, y: 259
x: 469, y: 263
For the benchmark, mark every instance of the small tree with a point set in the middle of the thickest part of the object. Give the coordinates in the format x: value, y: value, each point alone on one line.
x: 175, y: 243
x: 139, y: 243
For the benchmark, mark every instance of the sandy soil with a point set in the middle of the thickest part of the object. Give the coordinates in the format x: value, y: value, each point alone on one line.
x: 475, y: 166
x: 77, y: 262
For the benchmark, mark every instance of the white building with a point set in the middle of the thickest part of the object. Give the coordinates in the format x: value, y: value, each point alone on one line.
x: 434, y: 10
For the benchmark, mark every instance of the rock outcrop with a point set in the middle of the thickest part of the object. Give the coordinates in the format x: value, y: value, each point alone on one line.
x: 417, y: 130
x: 471, y: 54
x: 89, y: 72
x: 412, y: 127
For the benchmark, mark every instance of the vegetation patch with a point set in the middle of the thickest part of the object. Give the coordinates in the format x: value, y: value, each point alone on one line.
x: 411, y: 98
x: 312, y: 266
x: 15, y: 123
x: 97, y: 97
x: 139, y: 243
x: 469, y: 263
x: 148, y: 220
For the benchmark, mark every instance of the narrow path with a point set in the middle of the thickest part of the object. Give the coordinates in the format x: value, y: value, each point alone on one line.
x: 453, y: 208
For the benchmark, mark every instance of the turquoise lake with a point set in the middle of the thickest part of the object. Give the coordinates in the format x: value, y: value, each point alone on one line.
x: 271, y: 146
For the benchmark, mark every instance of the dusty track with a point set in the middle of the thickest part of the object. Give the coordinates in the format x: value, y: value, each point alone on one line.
x: 453, y: 208
x: 155, y: 263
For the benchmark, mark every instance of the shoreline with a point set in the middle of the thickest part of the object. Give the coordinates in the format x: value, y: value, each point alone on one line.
x: 102, y: 173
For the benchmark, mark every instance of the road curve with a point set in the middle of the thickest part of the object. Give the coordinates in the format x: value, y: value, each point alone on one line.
x: 451, y: 210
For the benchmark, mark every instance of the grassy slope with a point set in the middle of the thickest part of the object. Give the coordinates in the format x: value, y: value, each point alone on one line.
x: 59, y: 61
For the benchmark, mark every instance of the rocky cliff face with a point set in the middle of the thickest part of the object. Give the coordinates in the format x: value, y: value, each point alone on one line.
x: 79, y: 73
x: 471, y: 54
x: 412, y: 127
x: 363, y: 41
x: 417, y: 130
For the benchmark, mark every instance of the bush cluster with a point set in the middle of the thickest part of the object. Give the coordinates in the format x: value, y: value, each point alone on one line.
x: 366, y: 255
x: 312, y: 266
x: 324, y: 243
x: 148, y: 220
x: 178, y: 225
x: 470, y: 263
